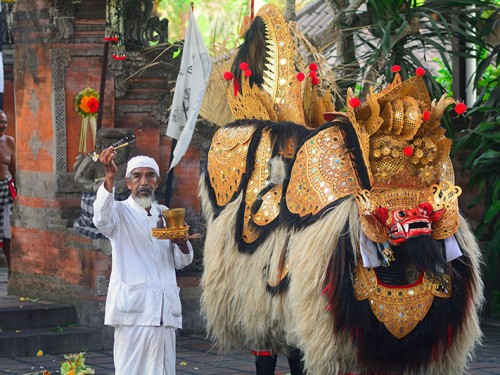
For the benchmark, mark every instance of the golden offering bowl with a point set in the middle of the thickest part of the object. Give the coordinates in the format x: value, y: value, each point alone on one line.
x: 170, y: 234
x: 174, y: 217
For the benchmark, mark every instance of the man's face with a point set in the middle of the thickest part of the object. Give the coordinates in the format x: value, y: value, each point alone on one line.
x: 142, y: 182
x: 3, y: 123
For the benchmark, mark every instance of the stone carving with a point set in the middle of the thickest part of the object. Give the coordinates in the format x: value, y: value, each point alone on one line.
x: 140, y: 28
x: 89, y: 175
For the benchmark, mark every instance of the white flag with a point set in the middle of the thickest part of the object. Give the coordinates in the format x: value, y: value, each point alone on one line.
x: 189, y: 89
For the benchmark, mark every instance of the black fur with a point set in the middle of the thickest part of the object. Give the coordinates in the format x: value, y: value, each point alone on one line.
x: 253, y: 52
x: 354, y: 319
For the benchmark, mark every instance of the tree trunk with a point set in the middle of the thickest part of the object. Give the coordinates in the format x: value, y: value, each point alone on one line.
x: 290, y: 10
x: 347, y: 64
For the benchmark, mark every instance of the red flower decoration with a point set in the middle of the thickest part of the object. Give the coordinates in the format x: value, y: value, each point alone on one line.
x: 408, y: 151
x: 315, y: 81
x: 354, y: 102
x: 228, y: 76
x: 93, y: 104
x: 300, y: 76
x: 426, y: 115
x: 312, y: 74
x: 248, y: 73
x: 244, y: 66
x: 420, y: 72
x: 396, y: 68
x: 460, y: 108
x: 313, y: 67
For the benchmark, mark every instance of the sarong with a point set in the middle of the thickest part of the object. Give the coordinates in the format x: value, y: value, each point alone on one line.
x: 6, y: 201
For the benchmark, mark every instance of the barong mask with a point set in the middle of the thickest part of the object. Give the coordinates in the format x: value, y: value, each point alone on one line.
x: 412, y: 182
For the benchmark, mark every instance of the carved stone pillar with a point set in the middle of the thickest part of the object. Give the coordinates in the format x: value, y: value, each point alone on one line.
x: 58, y: 52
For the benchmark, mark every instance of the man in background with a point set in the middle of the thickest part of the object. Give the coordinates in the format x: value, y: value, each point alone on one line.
x: 7, y: 187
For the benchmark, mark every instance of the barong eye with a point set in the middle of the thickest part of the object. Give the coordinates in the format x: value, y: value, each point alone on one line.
x: 400, y: 215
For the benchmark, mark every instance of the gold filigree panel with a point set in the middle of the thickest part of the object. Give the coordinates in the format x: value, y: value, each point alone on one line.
x: 258, y: 181
x: 400, y: 309
x: 322, y: 173
x: 227, y: 161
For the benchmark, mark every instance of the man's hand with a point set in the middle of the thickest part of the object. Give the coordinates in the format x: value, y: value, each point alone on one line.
x: 182, y: 243
x: 106, y: 159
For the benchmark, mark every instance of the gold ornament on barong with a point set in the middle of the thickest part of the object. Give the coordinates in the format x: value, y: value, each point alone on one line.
x: 322, y: 173
x: 227, y: 161
x: 259, y: 179
x: 406, y: 155
x: 400, y: 309
x: 281, y: 97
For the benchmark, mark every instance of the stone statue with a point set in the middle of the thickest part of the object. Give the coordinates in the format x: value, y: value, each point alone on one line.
x: 89, y: 175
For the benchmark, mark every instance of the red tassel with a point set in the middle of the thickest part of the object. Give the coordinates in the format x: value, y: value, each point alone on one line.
x: 460, y: 108
x: 236, y: 87
x: 354, y: 102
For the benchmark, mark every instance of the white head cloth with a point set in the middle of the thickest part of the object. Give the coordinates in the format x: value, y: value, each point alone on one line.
x: 142, y: 161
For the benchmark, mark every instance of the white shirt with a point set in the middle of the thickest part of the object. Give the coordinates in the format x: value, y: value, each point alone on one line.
x: 143, y: 286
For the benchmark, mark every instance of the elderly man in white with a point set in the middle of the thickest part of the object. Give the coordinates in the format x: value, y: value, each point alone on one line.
x: 143, y: 301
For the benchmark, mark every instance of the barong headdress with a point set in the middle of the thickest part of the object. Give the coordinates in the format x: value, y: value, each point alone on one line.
x: 142, y: 161
x: 388, y: 151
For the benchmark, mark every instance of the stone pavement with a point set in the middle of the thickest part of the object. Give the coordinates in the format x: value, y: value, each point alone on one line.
x: 197, y: 356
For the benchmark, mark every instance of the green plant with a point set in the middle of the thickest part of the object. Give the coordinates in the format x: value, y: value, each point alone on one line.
x: 407, y: 33
x: 481, y: 142
x: 444, y: 76
x: 75, y: 365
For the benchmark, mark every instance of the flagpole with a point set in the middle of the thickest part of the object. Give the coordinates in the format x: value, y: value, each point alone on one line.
x: 170, y: 175
x: 104, y: 70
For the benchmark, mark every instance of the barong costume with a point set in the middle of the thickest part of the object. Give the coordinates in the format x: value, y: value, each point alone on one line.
x: 341, y: 237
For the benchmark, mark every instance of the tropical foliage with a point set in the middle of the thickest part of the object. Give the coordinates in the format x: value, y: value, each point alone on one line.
x: 480, y: 142
x: 378, y: 34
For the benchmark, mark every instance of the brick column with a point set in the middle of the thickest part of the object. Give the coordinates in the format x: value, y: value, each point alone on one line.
x: 58, y: 52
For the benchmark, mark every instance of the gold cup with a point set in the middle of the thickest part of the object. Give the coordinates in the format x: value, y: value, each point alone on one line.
x: 174, y: 217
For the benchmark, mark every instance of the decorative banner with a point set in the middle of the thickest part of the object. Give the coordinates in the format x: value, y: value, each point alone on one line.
x: 189, y: 89
x: 114, y: 29
x: 86, y: 105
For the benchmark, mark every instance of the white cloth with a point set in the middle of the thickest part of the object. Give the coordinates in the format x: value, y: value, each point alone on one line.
x: 144, y: 162
x: 369, y: 252
x: 189, y: 89
x: 452, y: 249
x: 152, y: 352
x: 143, y: 267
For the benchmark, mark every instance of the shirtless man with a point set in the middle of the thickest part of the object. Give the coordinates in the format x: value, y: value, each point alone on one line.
x: 7, y: 173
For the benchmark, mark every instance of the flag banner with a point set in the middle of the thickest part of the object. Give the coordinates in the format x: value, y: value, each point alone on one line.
x: 189, y: 89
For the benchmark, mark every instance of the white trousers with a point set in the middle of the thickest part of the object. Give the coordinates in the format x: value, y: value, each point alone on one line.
x: 144, y: 350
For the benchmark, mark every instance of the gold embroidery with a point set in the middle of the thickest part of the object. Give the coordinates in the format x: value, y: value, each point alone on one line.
x: 399, y: 308
x: 257, y: 182
x: 322, y: 173
x: 227, y: 160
